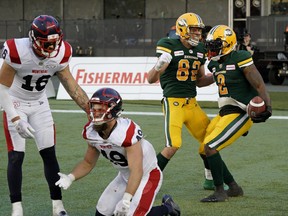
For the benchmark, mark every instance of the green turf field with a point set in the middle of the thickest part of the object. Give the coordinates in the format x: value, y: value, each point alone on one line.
x: 258, y: 163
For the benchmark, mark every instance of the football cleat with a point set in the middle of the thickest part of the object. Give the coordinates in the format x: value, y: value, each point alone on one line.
x: 17, y: 209
x: 173, y: 208
x: 216, y: 197
x: 61, y: 213
x: 235, y: 192
x: 58, y: 208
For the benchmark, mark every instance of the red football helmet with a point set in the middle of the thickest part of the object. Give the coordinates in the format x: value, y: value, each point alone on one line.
x: 105, y: 105
x: 46, y: 36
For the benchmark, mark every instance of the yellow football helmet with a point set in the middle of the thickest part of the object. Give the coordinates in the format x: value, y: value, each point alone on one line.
x: 220, y: 41
x: 184, y: 27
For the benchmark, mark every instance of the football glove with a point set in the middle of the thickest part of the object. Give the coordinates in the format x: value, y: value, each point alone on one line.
x: 65, y: 180
x: 122, y: 207
x: 164, y: 58
x: 24, y: 129
x: 262, y: 117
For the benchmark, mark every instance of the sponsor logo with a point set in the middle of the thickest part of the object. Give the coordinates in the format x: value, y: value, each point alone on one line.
x: 179, y: 53
x: 50, y: 66
x: 230, y: 67
x: 200, y: 55
x: 84, y: 77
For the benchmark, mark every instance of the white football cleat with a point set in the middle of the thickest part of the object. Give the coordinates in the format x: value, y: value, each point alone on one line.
x: 58, y: 208
x: 17, y: 209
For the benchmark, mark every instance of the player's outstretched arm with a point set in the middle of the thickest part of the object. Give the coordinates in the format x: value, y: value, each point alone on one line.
x: 73, y: 89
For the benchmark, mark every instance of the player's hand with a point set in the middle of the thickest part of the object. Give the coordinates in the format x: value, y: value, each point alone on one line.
x: 24, y: 129
x: 262, y: 117
x: 164, y: 58
x: 122, y: 207
x: 65, y: 180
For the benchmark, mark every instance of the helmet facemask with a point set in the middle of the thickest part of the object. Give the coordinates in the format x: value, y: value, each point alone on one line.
x: 46, y: 47
x: 220, y: 41
x: 46, y: 36
x: 103, y: 111
x: 214, y: 49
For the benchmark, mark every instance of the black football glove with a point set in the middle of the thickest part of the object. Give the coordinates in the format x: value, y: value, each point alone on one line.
x: 262, y: 117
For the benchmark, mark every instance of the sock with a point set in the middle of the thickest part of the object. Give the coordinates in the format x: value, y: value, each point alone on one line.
x: 216, y: 165
x: 207, y: 170
x: 162, y: 161
x: 228, y: 178
x: 14, y: 175
x: 51, y: 169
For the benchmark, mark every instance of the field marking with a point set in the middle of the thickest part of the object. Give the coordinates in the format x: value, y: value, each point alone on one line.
x: 153, y: 113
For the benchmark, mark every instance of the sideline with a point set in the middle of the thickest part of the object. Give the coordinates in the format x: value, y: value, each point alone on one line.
x: 153, y: 113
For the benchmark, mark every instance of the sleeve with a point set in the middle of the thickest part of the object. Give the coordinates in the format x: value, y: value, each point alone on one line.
x: 244, y: 59
x: 67, y: 55
x: 133, y: 135
x: 164, y: 45
x: 10, y: 54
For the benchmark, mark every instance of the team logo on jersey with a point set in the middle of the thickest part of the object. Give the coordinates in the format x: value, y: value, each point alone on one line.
x: 213, y: 69
x: 200, y: 55
x: 230, y: 67
x: 179, y: 53
x: 190, y: 51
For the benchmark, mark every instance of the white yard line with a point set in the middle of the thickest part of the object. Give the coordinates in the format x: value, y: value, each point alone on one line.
x: 153, y: 113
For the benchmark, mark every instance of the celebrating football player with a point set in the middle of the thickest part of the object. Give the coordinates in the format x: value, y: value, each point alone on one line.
x: 239, y: 81
x: 180, y: 68
x: 121, y: 141
x: 28, y: 65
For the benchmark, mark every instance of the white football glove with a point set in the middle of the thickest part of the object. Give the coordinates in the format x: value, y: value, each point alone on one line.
x: 122, y: 207
x: 164, y: 58
x: 24, y: 129
x: 65, y: 180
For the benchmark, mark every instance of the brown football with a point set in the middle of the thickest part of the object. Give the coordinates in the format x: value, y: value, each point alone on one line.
x: 256, y: 106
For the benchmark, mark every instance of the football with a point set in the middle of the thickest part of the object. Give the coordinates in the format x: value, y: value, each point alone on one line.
x: 256, y: 106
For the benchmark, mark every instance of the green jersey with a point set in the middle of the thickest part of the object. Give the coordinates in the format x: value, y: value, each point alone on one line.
x: 230, y: 78
x: 179, y: 79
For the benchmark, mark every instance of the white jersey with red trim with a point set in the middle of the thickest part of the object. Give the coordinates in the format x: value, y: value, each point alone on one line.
x: 125, y: 134
x: 32, y: 73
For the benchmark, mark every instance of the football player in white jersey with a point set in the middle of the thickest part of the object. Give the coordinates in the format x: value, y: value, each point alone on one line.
x: 28, y: 65
x: 121, y: 141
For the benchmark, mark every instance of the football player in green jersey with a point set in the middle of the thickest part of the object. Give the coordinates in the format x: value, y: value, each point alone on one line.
x: 180, y: 68
x: 238, y: 81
